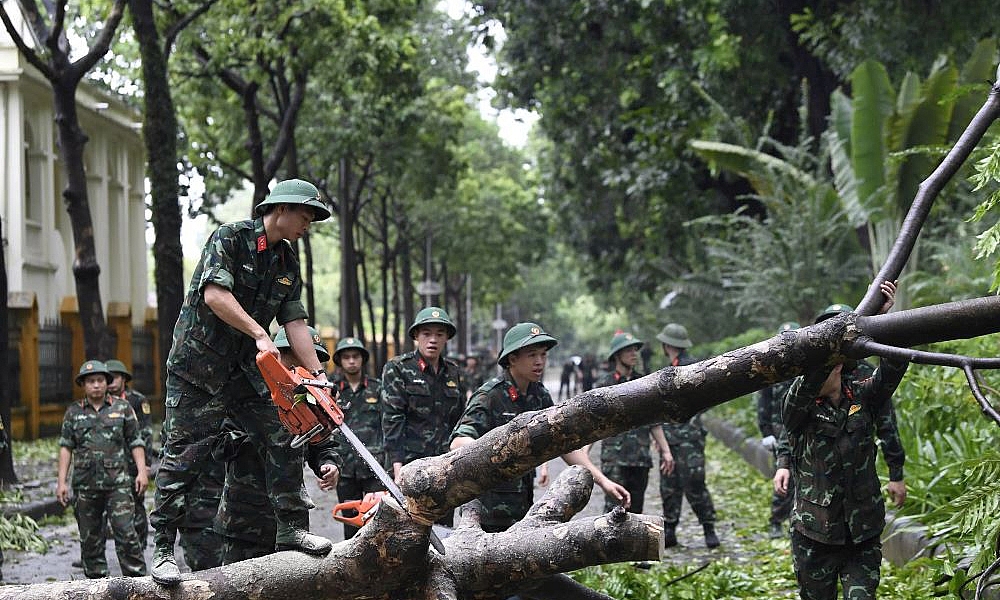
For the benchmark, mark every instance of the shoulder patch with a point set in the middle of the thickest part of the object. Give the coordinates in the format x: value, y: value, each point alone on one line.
x: 854, y: 408
x: 284, y: 281
x: 371, y: 399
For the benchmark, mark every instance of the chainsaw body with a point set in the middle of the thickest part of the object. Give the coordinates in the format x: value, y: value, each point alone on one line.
x: 308, y: 411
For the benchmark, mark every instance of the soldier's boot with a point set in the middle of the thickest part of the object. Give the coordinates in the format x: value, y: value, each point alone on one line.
x: 775, y: 531
x: 669, y: 535
x: 164, y: 566
x: 290, y: 537
x: 711, y: 540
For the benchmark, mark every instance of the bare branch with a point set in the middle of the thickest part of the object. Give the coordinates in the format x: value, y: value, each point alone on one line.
x: 103, y: 42
x: 27, y: 52
x: 984, y: 404
x: 921, y: 357
x: 170, y: 36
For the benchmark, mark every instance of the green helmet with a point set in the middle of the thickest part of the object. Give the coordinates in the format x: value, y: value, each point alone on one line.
x: 349, y: 343
x: 432, y: 315
x: 295, y: 191
x: 788, y: 326
x: 91, y: 367
x: 675, y: 334
x: 523, y: 335
x: 116, y: 366
x: 622, y: 341
x: 832, y: 311
x: 281, y: 341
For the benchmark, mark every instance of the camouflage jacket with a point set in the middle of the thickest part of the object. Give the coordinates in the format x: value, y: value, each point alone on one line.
x: 629, y: 449
x: 420, y: 406
x: 140, y: 406
x: 100, y: 441
x: 364, y: 416
x: 678, y: 433
x: 769, y: 408
x: 491, y: 406
x: 264, y: 280
x: 838, y: 498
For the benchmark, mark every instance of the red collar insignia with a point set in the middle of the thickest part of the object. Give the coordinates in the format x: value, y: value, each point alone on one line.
x: 261, y: 242
x: 512, y: 390
x: 421, y: 364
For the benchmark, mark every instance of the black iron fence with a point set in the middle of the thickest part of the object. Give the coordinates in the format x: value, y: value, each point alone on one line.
x: 55, y: 362
x: 142, y: 360
x: 13, y: 366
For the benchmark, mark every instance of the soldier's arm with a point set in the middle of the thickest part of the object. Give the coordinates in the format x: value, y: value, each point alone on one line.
x: 799, y: 400
x: 145, y: 425
x: 67, y: 441
x: 783, y: 452
x: 880, y: 387
x: 473, y: 423
x: 394, y: 406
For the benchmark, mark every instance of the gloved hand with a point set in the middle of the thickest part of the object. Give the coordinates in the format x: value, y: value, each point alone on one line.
x: 769, y: 442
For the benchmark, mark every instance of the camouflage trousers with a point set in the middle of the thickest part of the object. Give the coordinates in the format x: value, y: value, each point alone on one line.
x: 819, y: 566
x: 687, y: 480
x: 92, y: 509
x: 355, y: 488
x: 634, y: 479
x: 140, y: 520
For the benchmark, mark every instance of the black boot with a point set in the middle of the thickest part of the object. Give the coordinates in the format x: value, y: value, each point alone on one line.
x: 711, y: 540
x: 294, y: 538
x: 164, y: 567
x: 669, y: 535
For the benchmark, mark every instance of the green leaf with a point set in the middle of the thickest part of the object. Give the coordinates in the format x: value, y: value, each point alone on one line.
x: 873, y: 99
x: 752, y: 164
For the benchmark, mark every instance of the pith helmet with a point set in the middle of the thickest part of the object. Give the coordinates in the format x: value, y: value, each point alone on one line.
x: 116, y: 366
x: 622, y: 341
x: 281, y: 341
x: 432, y: 315
x: 295, y: 191
x: 676, y: 335
x: 349, y: 343
x: 523, y: 335
x: 788, y: 326
x: 92, y: 367
x: 832, y: 311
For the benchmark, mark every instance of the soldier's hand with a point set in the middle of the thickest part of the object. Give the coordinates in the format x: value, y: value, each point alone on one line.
x: 330, y: 477
x: 397, y: 468
x: 617, y: 492
x: 62, y: 493
x: 543, y: 475
x: 889, y: 291
x: 266, y: 345
x: 897, y: 492
x: 769, y: 442
x: 667, y: 463
x: 781, y: 478
x: 141, y: 482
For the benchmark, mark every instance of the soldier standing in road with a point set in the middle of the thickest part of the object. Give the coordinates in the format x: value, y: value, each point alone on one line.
x: 119, y: 388
x: 687, y: 443
x: 771, y: 429
x: 361, y: 397
x: 519, y: 389
x: 423, y: 394
x: 97, y: 432
x: 245, y: 519
x: 248, y: 276
x: 625, y: 457
x: 839, y: 512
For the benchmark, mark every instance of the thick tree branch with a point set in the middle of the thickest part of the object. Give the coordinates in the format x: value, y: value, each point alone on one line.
x: 102, y: 44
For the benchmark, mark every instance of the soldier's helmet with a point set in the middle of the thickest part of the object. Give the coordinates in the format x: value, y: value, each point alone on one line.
x: 350, y: 343
x: 676, y: 335
x: 295, y: 191
x: 91, y: 367
x: 788, y: 326
x: 622, y: 341
x: 281, y: 341
x: 116, y: 366
x: 432, y: 315
x: 523, y: 335
x: 832, y: 311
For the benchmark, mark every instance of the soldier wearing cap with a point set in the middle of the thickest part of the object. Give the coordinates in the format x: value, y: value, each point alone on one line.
x: 687, y: 442
x: 626, y: 457
x: 361, y: 397
x: 119, y: 388
x: 97, y: 432
x: 248, y: 276
x: 245, y: 519
x: 423, y: 393
x: 518, y: 389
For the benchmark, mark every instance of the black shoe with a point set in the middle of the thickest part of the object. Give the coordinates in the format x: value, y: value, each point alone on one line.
x: 711, y: 540
x: 669, y: 536
x: 78, y: 563
x: 164, y: 567
x: 645, y: 565
x: 293, y: 538
x: 775, y: 531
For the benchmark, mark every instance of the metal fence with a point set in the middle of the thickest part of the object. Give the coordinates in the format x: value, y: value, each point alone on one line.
x: 13, y: 366
x: 55, y: 342
x: 142, y: 360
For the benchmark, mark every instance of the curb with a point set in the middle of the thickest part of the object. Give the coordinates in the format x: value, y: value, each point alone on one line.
x: 37, y: 510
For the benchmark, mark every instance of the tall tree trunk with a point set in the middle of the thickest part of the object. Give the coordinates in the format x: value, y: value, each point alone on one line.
x: 350, y: 297
x: 406, y: 285
x: 160, y: 135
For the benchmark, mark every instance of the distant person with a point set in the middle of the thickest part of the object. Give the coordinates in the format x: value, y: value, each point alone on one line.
x: 567, y: 377
x: 473, y: 373
x: 588, y: 373
x: 687, y: 442
x: 97, y: 432
x: 519, y: 389
x: 119, y: 388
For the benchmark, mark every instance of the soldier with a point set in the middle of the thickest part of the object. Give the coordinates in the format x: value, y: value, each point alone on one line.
x: 119, y: 388
x: 97, y: 432
x: 423, y: 393
x: 361, y: 396
x: 769, y: 422
x: 518, y: 389
x: 625, y: 457
x: 687, y: 443
x: 839, y: 513
x: 474, y: 374
x: 247, y: 277
x: 245, y: 518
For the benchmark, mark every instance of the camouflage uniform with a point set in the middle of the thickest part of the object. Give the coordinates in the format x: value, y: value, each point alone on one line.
x: 99, y: 441
x: 140, y: 406
x: 245, y: 518
x: 491, y: 406
x: 364, y: 416
x: 687, y: 444
x: 625, y: 458
x: 839, y: 512
x: 769, y: 422
x: 212, y: 368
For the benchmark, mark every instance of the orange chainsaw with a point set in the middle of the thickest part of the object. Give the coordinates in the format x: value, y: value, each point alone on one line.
x: 365, y: 509
x: 310, y: 413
